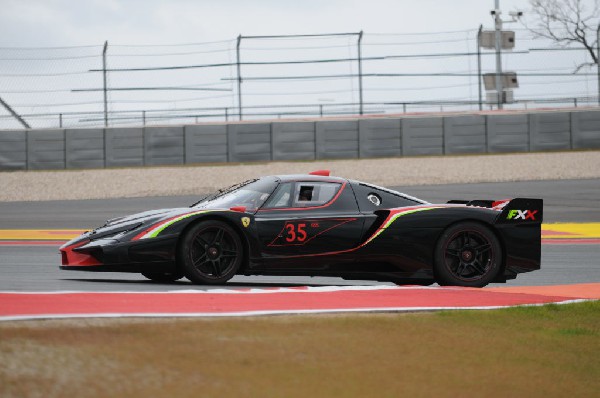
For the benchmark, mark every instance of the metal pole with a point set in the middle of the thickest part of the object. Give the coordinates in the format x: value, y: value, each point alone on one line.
x: 226, y: 114
x: 498, y: 25
x: 360, y: 87
x: 14, y: 114
x: 404, y: 107
x: 598, y: 59
x: 143, y: 118
x: 479, y: 65
x: 104, y: 78
x: 239, y: 76
x: 60, y: 123
x: 321, y: 110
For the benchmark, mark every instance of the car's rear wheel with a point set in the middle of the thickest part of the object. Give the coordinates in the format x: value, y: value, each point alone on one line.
x: 211, y: 253
x: 163, y: 276
x: 467, y: 254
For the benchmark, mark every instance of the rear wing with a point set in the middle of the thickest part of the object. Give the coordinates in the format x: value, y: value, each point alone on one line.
x: 522, y: 210
x: 518, y: 210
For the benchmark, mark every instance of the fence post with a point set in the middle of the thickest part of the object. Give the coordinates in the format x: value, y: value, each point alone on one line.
x: 479, y: 65
x: 104, y: 80
x: 226, y: 114
x: 143, y: 118
x: 598, y: 59
x: 239, y: 76
x: 360, y: 87
x: 60, y: 122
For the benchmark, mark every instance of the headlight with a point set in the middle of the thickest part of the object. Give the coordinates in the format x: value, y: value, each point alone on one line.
x: 115, y: 232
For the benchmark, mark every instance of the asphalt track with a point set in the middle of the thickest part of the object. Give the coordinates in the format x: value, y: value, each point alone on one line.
x: 564, y: 201
x: 35, y: 268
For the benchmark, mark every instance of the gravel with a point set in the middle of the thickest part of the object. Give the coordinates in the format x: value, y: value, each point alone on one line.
x: 192, y: 180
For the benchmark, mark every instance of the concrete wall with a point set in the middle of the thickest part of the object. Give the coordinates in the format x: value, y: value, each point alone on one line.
x: 206, y: 144
x: 124, y: 147
x: 294, y: 141
x: 465, y: 134
x: 585, y: 130
x: 380, y: 138
x: 337, y: 139
x: 307, y: 140
x: 13, y: 150
x: 550, y: 131
x: 163, y: 146
x: 46, y: 149
x: 249, y: 142
x: 422, y: 136
x: 84, y: 148
x: 507, y: 133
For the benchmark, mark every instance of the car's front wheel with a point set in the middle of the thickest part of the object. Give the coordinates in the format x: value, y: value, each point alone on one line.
x: 467, y: 254
x: 211, y: 253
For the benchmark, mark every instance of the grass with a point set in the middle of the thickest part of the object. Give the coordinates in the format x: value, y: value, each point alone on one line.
x: 526, y: 351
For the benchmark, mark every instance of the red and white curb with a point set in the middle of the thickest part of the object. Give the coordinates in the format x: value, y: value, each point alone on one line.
x: 248, y: 302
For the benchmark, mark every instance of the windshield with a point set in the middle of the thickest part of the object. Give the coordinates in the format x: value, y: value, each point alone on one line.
x: 251, y: 194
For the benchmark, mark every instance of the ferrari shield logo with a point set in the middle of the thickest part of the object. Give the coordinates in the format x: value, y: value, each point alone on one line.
x: 245, y: 221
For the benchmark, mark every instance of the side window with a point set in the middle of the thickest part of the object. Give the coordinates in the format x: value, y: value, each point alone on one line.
x: 281, y: 198
x: 371, y: 197
x: 308, y: 194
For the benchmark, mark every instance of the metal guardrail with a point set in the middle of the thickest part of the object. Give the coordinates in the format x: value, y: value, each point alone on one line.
x: 279, y: 111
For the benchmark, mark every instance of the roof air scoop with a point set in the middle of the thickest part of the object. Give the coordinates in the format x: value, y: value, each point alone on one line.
x: 324, y: 173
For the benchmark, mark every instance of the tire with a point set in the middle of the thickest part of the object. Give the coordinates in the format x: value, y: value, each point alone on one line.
x: 467, y: 254
x: 211, y: 253
x: 163, y: 276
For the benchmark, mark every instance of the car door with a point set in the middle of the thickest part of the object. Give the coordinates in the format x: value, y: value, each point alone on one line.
x: 308, y: 218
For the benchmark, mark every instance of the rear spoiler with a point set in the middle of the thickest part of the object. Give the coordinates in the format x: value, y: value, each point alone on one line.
x: 512, y: 210
x: 522, y: 210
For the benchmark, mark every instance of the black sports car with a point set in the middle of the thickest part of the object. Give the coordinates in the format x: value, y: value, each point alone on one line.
x: 319, y: 225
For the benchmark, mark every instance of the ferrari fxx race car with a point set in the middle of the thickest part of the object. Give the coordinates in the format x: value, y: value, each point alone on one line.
x: 319, y: 225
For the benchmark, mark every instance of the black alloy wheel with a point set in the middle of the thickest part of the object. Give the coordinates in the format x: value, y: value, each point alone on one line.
x: 163, y: 276
x: 211, y: 253
x: 467, y: 254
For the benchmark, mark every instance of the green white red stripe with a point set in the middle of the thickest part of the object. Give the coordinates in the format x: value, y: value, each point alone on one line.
x: 393, y: 216
x: 153, y: 231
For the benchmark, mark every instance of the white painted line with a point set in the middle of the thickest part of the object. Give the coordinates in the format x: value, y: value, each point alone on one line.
x: 273, y: 312
x: 299, y: 289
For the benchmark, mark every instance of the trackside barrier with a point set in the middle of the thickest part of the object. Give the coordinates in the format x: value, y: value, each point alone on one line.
x: 337, y: 139
x: 380, y: 138
x: 124, y: 147
x: 507, y: 133
x: 84, y: 148
x: 550, y: 131
x: 423, y: 136
x: 205, y: 144
x: 294, y: 140
x: 305, y: 140
x: 249, y: 142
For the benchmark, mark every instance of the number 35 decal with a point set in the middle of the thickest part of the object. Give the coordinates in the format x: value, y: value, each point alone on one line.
x: 295, y: 232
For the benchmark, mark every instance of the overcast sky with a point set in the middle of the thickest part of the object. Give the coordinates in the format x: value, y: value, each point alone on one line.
x: 84, y: 22
x: 37, y: 80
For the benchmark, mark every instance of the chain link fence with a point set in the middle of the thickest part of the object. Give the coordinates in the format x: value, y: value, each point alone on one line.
x: 271, y: 77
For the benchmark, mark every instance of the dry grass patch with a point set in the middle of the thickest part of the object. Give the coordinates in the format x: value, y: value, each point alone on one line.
x: 533, y: 351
